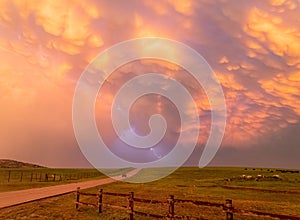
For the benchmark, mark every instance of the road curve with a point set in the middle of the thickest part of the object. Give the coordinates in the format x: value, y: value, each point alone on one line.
x: 23, y: 196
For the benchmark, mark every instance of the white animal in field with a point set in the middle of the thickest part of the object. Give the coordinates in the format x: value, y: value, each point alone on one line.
x: 258, y: 177
x: 276, y: 176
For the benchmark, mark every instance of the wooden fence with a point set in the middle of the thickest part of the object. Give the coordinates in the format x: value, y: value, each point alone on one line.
x: 226, y: 207
x: 170, y: 202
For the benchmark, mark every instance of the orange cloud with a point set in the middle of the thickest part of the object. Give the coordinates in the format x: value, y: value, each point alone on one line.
x: 280, y: 38
x: 224, y: 60
x: 68, y: 21
x: 286, y: 89
x: 184, y: 7
x: 282, y: 4
x: 229, y: 81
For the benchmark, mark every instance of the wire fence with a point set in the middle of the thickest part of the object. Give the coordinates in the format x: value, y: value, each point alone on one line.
x: 14, y: 176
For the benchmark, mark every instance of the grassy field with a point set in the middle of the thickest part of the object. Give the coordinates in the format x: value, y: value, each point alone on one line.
x: 280, y: 196
x: 25, y: 178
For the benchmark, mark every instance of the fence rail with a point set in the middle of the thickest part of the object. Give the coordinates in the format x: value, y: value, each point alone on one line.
x: 13, y: 176
x: 170, y: 202
x: 226, y: 207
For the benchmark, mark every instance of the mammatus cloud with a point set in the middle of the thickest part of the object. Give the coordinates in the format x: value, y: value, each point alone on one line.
x: 44, y: 46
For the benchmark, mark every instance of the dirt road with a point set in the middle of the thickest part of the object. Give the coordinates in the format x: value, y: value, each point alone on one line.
x: 22, y: 196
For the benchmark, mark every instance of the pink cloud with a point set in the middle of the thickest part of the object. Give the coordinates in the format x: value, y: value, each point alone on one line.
x: 44, y: 47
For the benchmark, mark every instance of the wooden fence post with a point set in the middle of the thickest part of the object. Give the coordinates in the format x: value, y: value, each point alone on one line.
x: 100, y: 200
x: 54, y: 175
x: 171, y: 212
x: 21, y: 179
x: 228, y: 209
x: 77, y: 197
x: 31, y: 177
x: 130, y: 200
x: 8, y: 176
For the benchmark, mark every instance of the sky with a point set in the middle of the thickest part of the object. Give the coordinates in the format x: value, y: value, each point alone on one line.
x: 252, y: 46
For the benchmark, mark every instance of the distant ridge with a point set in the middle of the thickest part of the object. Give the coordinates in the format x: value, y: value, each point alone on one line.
x: 6, y: 163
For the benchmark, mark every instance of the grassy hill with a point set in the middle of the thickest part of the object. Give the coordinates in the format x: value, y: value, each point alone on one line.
x: 6, y: 163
